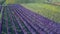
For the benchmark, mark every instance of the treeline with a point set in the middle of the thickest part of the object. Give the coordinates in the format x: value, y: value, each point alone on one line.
x: 26, y: 1
x: 29, y: 1
x: 2, y: 1
x: 36, y: 1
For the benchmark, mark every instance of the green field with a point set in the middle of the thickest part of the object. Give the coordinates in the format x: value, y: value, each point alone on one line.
x: 47, y: 10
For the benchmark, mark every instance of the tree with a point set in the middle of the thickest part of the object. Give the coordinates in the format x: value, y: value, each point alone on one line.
x: 49, y: 0
x: 2, y: 1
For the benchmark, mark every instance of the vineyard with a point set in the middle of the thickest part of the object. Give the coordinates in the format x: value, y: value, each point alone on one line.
x: 18, y: 20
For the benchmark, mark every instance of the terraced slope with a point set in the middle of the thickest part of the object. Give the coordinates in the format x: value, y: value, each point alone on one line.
x: 18, y: 20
